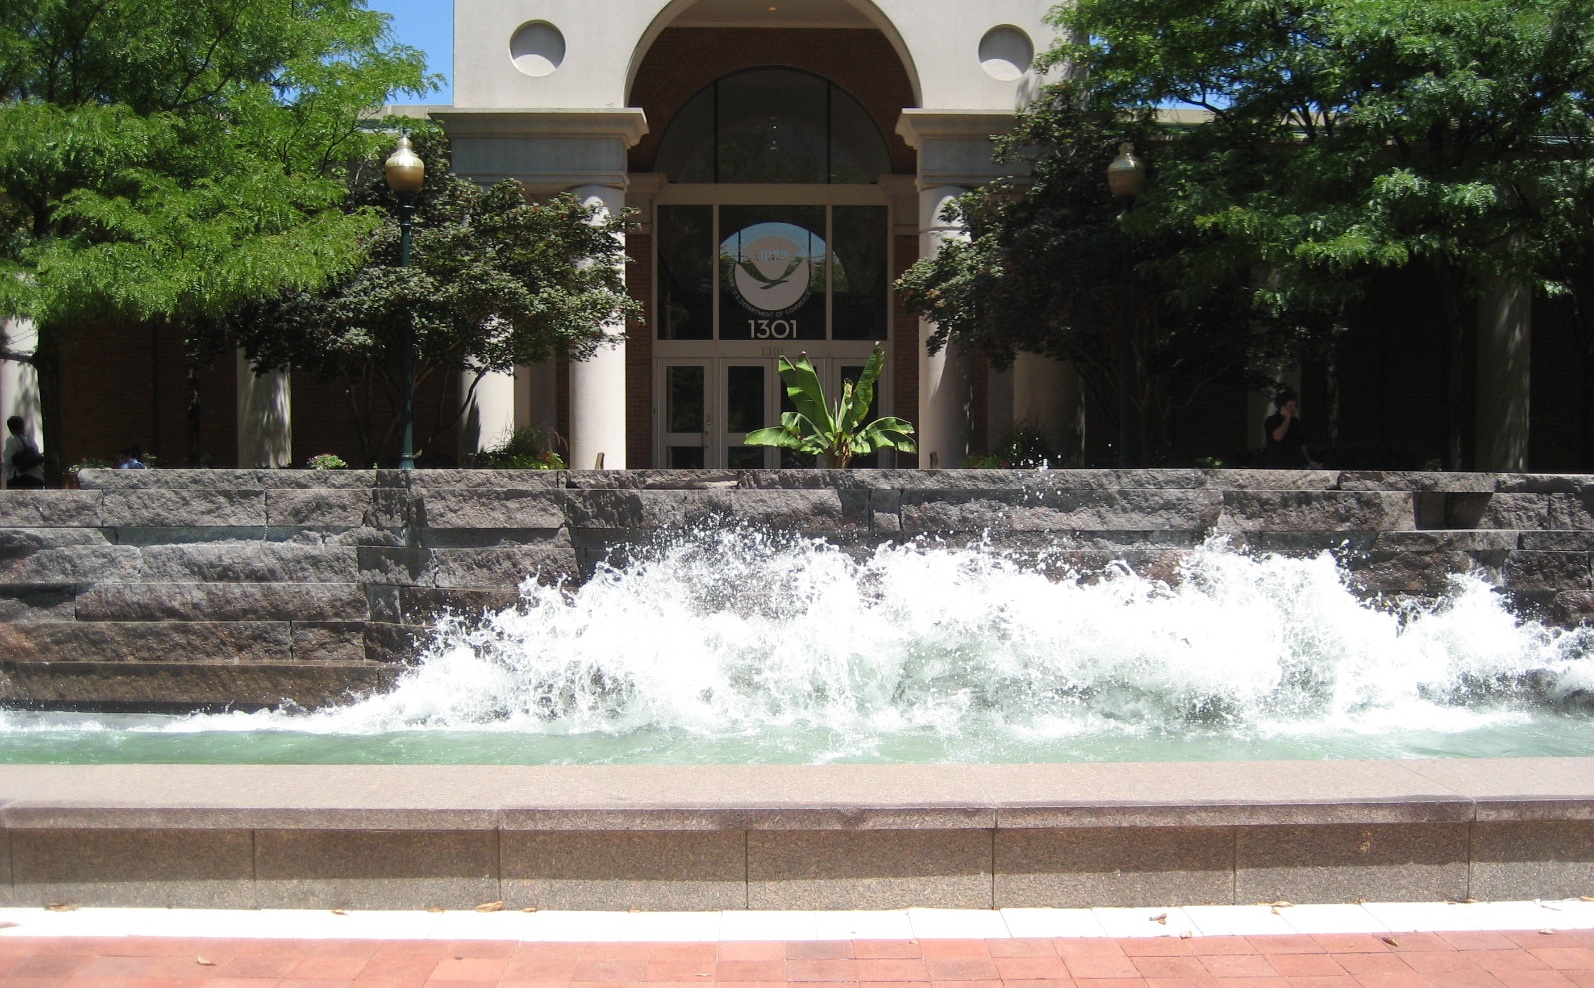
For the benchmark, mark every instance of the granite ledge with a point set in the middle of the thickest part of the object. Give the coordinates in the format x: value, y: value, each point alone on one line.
x: 937, y: 797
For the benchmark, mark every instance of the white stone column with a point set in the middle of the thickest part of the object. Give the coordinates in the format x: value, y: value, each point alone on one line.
x: 597, y: 384
x: 943, y: 376
x: 1505, y: 320
x: 265, y: 417
x: 489, y: 416
x: 1047, y: 397
x: 19, y: 382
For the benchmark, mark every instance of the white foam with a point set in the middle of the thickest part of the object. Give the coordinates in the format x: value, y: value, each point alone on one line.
x: 796, y: 649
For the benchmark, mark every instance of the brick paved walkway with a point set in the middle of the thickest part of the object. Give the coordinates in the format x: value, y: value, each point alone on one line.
x: 1407, y: 960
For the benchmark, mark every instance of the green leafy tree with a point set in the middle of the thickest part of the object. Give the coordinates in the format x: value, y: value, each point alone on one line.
x: 834, y: 434
x: 1349, y: 136
x: 1054, y: 265
x: 494, y: 281
x: 169, y: 161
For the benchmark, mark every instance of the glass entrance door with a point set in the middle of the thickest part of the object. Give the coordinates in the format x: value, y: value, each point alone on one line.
x: 710, y: 404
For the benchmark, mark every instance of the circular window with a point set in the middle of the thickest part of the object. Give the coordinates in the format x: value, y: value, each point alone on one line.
x: 1005, y: 53
x: 537, y: 48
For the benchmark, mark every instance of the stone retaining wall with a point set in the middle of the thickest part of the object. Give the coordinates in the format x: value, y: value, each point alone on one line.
x: 173, y: 588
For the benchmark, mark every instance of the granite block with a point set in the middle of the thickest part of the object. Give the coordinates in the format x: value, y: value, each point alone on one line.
x: 1556, y: 541
x: 878, y: 869
x: 222, y: 602
x: 1534, y: 859
x: 29, y: 604
x: 962, y: 511
x: 479, y: 508
x: 1421, y: 862
x: 328, y: 641
x: 1316, y: 511
x: 424, y: 605
x: 375, y: 869
x: 1082, y: 867
x: 1117, y: 511
x: 49, y: 509
x: 658, y: 870
x: 409, y: 566
x: 255, y: 479
x: 663, y: 480
x: 798, y: 510
x: 1480, y: 540
x: 22, y: 541
x: 1423, y: 573
x: 195, y: 869
x: 318, y: 508
x: 394, y: 644
x: 1521, y: 512
x: 503, y: 568
x: 145, y: 641
x: 1530, y: 570
x: 182, y: 508
x: 70, y: 564
x: 248, y: 562
x: 180, y: 686
x: 1541, y: 483
x: 1570, y: 512
x: 393, y: 508
x: 425, y: 481
x: 1270, y: 480
x: 1416, y: 480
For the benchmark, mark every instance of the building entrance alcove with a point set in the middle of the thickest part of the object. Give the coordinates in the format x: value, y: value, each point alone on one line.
x: 772, y: 236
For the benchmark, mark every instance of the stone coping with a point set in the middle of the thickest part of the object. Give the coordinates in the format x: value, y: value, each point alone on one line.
x: 862, y: 479
x: 785, y: 798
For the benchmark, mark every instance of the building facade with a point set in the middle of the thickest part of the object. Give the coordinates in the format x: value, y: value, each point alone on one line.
x: 784, y: 160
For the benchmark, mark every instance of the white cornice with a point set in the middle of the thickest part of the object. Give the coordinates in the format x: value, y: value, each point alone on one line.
x: 627, y: 123
x: 917, y: 126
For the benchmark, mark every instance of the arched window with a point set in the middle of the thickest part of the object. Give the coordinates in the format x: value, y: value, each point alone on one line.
x: 773, y: 125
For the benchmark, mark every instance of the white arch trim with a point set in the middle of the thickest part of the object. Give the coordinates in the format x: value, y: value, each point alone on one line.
x: 675, y: 8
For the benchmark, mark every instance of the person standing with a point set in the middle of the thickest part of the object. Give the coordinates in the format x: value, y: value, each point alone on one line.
x: 24, y: 464
x: 1283, y: 436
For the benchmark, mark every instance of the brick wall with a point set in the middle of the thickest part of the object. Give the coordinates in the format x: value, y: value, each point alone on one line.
x: 639, y: 355
x: 128, y: 385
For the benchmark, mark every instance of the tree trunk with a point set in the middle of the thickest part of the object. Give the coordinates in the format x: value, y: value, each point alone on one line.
x: 193, y: 413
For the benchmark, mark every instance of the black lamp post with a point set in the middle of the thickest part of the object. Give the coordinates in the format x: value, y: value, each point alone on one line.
x: 405, y: 173
x: 1126, y: 176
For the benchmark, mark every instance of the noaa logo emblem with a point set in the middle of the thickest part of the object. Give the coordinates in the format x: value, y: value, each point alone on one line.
x: 773, y: 275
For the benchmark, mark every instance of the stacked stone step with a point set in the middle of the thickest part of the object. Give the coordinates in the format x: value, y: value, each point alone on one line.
x: 175, y: 588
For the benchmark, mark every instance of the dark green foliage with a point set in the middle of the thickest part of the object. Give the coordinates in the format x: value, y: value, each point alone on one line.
x: 494, y: 281
x: 1318, y: 144
x: 172, y: 160
x: 1048, y: 261
x: 527, y: 448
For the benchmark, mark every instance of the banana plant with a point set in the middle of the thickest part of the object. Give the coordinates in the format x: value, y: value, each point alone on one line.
x: 833, y: 434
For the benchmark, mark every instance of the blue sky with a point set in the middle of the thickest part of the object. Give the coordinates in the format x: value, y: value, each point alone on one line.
x: 429, y: 26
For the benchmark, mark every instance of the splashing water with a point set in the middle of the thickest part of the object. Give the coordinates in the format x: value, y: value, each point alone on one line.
x: 734, y: 645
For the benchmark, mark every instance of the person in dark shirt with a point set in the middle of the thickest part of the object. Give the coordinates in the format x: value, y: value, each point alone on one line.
x: 1284, y: 437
